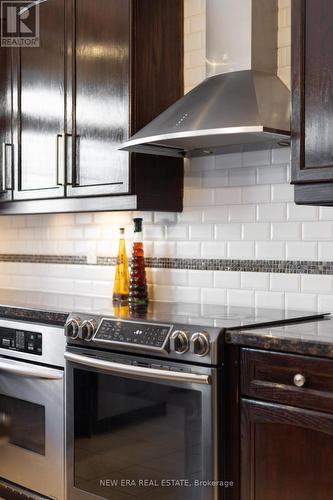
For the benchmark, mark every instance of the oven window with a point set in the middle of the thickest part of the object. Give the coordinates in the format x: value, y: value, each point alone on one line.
x: 136, y: 439
x: 25, y: 423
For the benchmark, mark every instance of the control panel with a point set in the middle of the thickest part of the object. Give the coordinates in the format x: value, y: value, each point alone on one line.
x: 22, y: 341
x: 145, y: 335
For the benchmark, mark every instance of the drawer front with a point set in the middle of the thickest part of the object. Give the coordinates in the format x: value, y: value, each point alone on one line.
x: 289, y: 379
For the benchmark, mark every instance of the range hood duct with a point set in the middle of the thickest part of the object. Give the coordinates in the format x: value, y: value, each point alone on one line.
x: 242, y: 104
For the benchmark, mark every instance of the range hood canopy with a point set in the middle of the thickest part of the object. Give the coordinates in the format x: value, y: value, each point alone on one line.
x: 242, y: 104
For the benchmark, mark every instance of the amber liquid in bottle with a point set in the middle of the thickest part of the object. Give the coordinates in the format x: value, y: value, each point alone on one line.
x: 138, y: 293
x: 121, y: 282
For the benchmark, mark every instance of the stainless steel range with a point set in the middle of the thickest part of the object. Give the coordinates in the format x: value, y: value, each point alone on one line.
x: 145, y: 402
x: 31, y: 410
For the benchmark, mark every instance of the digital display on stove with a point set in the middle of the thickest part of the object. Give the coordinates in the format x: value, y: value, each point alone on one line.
x: 128, y: 332
x: 20, y: 340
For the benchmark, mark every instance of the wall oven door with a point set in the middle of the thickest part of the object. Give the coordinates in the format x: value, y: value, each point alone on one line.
x: 32, y: 427
x: 139, y: 430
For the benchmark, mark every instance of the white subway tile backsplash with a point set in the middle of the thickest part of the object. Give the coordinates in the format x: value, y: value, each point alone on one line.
x: 214, y: 296
x: 194, y: 214
x: 228, y: 196
x: 215, y: 214
x: 202, y: 279
x: 301, y: 301
x: 165, y: 218
x: 257, y: 158
x: 272, y: 174
x: 325, y: 250
x: 255, y: 281
x: 325, y: 303
x: 317, y: 283
x: 228, y: 161
x: 164, y: 249
x: 227, y: 232
x: 242, y: 176
x: 285, y: 282
x: 215, y: 178
x: 301, y: 250
x: 214, y: 250
x: 241, y: 250
x: 274, y: 300
x: 188, y: 249
x: 271, y: 212
x: 242, y: 213
x: 301, y: 212
x: 281, y: 155
x: 242, y: 298
x: 326, y: 213
x: 198, y: 197
x: 318, y: 231
x: 201, y: 232
x: 284, y: 231
x: 227, y: 279
x: 256, y: 231
x: 282, y: 192
x: 177, y: 232
x: 256, y: 194
x: 268, y: 250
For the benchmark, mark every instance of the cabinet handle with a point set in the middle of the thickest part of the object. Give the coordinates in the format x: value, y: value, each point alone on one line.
x: 4, y: 186
x: 72, y: 155
x: 4, y: 428
x: 299, y: 380
x: 60, y: 160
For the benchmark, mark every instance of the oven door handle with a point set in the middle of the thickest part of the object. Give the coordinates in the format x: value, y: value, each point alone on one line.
x: 29, y: 371
x: 141, y: 371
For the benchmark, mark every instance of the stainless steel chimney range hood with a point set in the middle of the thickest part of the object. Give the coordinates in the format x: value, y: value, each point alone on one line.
x: 242, y: 104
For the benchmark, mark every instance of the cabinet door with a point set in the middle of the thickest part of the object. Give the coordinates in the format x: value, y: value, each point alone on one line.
x: 312, y: 90
x: 98, y: 96
x: 6, y: 139
x: 39, y: 109
x: 286, y: 453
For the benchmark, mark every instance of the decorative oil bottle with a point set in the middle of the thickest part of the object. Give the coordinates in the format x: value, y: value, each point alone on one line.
x: 121, y: 281
x: 138, y: 293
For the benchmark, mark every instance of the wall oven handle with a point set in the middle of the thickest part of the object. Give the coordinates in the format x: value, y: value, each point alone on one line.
x: 29, y: 371
x: 141, y: 371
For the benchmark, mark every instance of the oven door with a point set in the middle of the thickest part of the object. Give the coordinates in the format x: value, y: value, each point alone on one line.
x: 138, y: 430
x: 32, y: 427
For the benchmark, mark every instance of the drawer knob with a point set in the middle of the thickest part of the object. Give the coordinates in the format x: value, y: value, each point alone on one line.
x: 299, y: 380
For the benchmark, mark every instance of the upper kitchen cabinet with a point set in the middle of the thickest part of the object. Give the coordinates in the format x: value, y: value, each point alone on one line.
x: 102, y: 71
x: 312, y: 101
x: 39, y: 110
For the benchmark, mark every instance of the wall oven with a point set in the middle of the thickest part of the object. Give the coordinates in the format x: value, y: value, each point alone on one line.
x: 140, y: 426
x: 31, y: 409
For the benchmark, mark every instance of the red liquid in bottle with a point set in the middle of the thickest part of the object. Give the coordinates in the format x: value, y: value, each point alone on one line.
x: 138, y: 292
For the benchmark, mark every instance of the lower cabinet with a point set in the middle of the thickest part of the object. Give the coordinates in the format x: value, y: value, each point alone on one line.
x: 286, y: 426
x: 286, y: 452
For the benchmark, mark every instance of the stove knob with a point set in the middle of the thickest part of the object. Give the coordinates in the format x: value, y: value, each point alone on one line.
x: 179, y: 342
x: 72, y: 328
x: 87, y: 330
x: 199, y: 344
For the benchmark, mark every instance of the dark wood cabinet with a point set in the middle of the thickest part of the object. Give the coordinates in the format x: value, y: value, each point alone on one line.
x: 286, y: 452
x: 39, y: 108
x: 286, y: 431
x: 312, y: 101
x: 95, y: 79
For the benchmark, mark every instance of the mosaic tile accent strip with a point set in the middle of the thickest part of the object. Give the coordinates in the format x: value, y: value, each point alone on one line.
x: 44, y: 259
x: 253, y: 266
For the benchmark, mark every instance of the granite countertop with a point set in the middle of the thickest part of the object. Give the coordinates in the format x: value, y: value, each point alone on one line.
x: 53, y: 308
x: 248, y: 327
x: 311, y: 337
